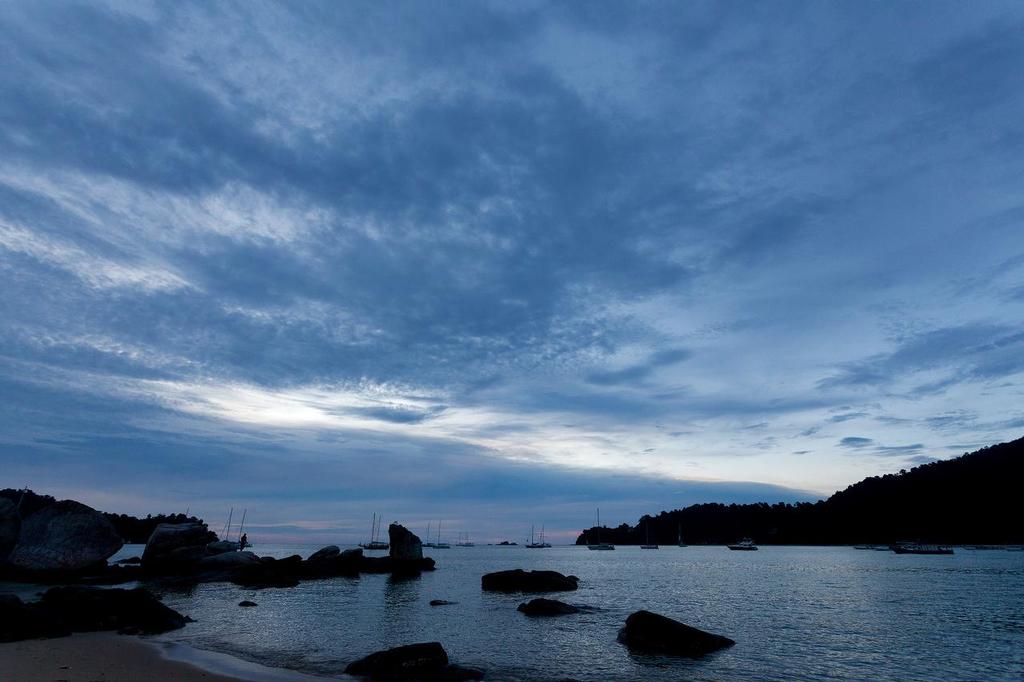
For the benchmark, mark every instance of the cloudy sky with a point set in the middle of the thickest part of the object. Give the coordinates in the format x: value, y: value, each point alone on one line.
x: 503, y: 263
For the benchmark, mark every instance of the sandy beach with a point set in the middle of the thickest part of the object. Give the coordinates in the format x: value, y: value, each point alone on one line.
x: 95, y: 657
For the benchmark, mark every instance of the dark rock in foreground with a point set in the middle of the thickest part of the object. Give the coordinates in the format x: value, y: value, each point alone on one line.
x: 65, y: 536
x: 9, y: 525
x: 547, y: 607
x: 426, y: 661
x: 269, y: 572
x: 519, y: 580
x: 404, y: 545
x: 63, y: 610
x: 650, y: 633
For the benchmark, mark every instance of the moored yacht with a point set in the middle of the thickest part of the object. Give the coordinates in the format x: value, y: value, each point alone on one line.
x: 603, y: 546
x: 744, y: 545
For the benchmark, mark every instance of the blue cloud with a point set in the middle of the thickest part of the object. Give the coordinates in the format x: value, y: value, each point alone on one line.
x: 521, y: 244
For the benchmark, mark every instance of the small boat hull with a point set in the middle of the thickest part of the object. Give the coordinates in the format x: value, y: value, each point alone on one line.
x: 742, y: 548
x: 601, y: 547
x: 649, y: 547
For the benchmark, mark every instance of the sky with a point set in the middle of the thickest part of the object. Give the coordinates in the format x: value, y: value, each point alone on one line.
x: 501, y: 264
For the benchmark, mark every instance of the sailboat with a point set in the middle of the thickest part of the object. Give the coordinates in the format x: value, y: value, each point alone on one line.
x: 600, y: 545
x: 428, y: 543
x: 647, y: 544
x: 375, y: 542
x: 439, y: 544
x: 464, y: 541
x: 679, y: 535
x: 537, y: 545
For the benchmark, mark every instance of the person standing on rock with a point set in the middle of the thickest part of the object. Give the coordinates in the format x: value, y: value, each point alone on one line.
x: 243, y: 541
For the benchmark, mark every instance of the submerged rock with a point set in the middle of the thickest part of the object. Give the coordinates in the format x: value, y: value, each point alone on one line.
x: 442, y: 602
x: 426, y: 661
x: 519, y: 580
x: 652, y: 633
x: 547, y: 607
x: 404, y: 544
x: 65, y: 536
x: 247, y: 603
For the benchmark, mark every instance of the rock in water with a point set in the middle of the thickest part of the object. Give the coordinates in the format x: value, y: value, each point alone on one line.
x: 247, y: 603
x: 442, y: 602
x: 547, y: 607
x: 85, y: 609
x: 427, y: 661
x: 176, y: 544
x: 328, y: 552
x: 405, y: 545
x: 650, y: 633
x: 519, y: 580
x: 64, y: 536
x: 9, y: 524
x: 221, y: 546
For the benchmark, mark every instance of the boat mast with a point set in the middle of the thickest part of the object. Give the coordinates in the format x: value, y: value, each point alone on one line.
x: 227, y: 528
x: 241, y: 526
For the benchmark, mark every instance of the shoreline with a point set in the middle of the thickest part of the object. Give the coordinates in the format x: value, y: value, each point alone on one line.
x: 107, y: 656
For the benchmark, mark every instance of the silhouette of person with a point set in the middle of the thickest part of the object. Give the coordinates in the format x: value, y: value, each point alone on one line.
x: 243, y: 541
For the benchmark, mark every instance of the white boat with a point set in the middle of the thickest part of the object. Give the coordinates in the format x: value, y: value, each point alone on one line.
x: 744, y: 545
x: 537, y: 545
x: 428, y: 543
x: 375, y: 542
x: 439, y: 544
x: 600, y: 546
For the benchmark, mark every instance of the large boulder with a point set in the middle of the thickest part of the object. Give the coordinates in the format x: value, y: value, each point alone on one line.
x: 519, y: 580
x: 270, y: 572
x: 405, y: 545
x: 651, y: 633
x: 229, y: 560
x: 426, y: 661
x: 221, y: 547
x: 175, y: 545
x: 65, y: 536
x: 327, y: 553
x: 63, y: 610
x: 547, y: 607
x: 9, y: 524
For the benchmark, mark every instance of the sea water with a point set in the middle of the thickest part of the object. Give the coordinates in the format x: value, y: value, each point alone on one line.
x: 795, y: 613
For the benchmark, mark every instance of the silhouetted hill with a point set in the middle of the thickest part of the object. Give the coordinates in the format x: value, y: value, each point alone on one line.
x: 973, y: 499
x: 131, y: 529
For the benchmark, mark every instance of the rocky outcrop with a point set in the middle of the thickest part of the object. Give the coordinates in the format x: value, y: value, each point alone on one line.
x: 327, y: 553
x: 651, y: 633
x: 63, y: 610
x: 173, y: 546
x: 404, y: 544
x: 9, y: 525
x: 519, y: 580
x: 269, y: 572
x: 426, y: 661
x: 64, y: 537
x: 221, y: 547
x: 228, y: 560
x: 547, y: 607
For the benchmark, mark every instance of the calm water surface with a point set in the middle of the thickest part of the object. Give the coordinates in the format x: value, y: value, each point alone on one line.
x: 795, y: 612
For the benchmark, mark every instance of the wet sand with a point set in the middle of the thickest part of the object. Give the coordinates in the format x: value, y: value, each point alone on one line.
x: 95, y: 657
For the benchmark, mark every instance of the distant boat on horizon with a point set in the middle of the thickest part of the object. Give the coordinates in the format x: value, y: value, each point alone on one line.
x: 464, y: 541
x: 918, y: 548
x: 647, y: 542
x: 600, y: 545
x: 744, y: 545
x: 439, y: 544
x: 538, y: 545
x: 374, y: 542
x: 679, y: 535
